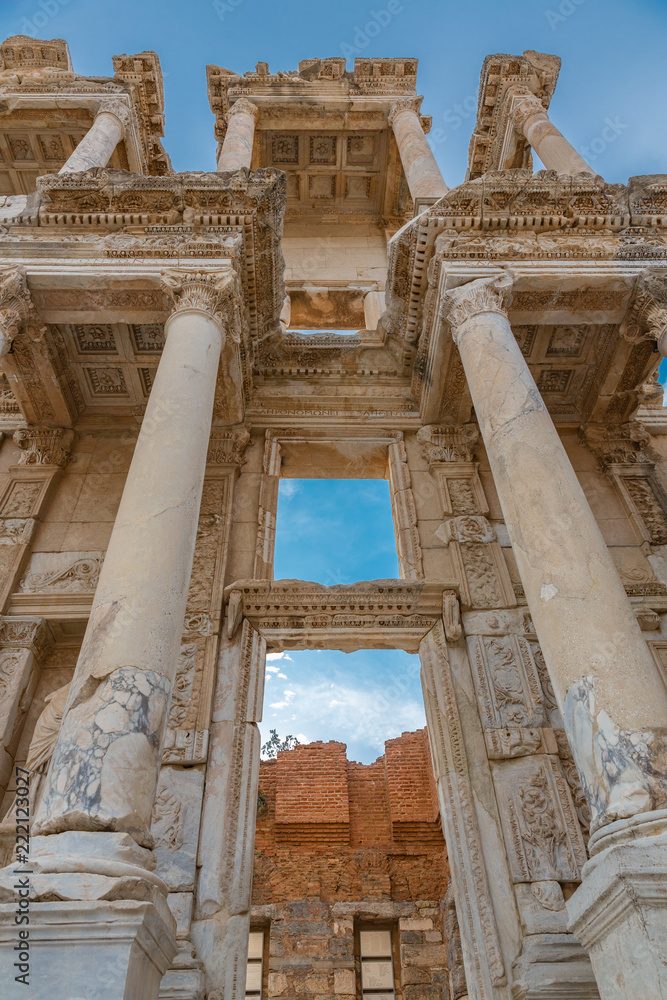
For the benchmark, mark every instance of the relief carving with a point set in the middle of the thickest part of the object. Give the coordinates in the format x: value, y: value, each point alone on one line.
x: 507, y: 682
x: 540, y: 826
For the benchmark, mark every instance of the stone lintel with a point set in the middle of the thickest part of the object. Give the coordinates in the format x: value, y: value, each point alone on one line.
x: 378, y: 614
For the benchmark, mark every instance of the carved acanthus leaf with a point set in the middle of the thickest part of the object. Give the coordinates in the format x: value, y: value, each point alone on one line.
x: 618, y: 444
x: 404, y: 104
x: 492, y: 294
x: 527, y: 107
x: 212, y: 292
x: 448, y: 444
x: 243, y: 107
x: 44, y: 445
x: 646, y: 318
x: 119, y: 110
x: 15, y: 304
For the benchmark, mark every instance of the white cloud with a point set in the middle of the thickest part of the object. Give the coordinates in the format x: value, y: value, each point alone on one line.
x: 283, y: 677
x: 363, y: 717
x: 279, y: 656
x: 272, y: 670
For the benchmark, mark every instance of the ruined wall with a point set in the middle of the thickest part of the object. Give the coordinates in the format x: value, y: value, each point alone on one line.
x: 342, y: 845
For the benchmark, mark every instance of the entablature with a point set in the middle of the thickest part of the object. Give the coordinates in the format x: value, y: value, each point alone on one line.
x: 329, y: 130
x: 375, y: 614
x: 576, y: 247
x: 46, y: 109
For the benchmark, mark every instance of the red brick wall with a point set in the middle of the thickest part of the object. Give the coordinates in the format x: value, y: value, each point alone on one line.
x: 336, y: 830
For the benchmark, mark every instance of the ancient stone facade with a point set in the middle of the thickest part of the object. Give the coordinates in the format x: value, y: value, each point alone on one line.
x: 489, y: 348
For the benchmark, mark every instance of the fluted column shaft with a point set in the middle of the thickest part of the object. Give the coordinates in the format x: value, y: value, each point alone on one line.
x: 421, y: 171
x: 614, y: 703
x: 556, y: 153
x: 97, y: 146
x: 104, y: 769
x: 236, y: 150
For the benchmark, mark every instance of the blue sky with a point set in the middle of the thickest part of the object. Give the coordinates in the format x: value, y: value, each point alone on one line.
x: 340, y: 531
x: 614, y: 73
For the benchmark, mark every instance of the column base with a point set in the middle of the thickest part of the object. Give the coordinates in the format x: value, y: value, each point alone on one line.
x: 619, y: 912
x: 99, y: 927
x: 85, y: 950
x: 553, y: 967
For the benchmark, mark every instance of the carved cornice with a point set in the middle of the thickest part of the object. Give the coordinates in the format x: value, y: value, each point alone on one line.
x: 212, y: 292
x: 646, y: 318
x: 492, y: 294
x: 227, y: 446
x: 15, y: 305
x: 119, y: 110
x: 412, y: 104
x: 618, y: 444
x: 243, y: 107
x: 44, y: 445
x: 26, y: 633
x: 448, y: 444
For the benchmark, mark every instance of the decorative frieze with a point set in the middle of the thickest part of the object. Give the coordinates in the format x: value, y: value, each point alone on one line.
x: 507, y: 682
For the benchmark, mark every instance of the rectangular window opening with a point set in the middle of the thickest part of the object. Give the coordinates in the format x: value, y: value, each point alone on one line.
x: 254, y: 981
x: 376, y: 948
x: 335, y: 531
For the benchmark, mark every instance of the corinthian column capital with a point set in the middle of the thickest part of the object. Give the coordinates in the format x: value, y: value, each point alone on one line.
x: 15, y: 304
x: 646, y: 318
x: 484, y: 295
x: 211, y: 292
x: 118, y: 109
x: 243, y: 107
x: 527, y: 106
x: 44, y: 445
x: 404, y: 104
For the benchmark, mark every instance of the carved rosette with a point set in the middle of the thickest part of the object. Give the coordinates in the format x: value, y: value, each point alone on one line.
x: 243, y: 107
x: 119, y: 110
x: 527, y: 108
x: 211, y: 292
x: 646, y: 318
x: 484, y: 295
x: 44, y: 445
x: 448, y: 444
x: 15, y: 305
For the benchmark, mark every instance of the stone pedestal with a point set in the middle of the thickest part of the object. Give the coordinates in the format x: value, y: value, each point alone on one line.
x: 236, y: 150
x: 619, y: 913
x: 422, y: 173
x: 97, y: 146
x: 556, y: 153
x: 88, y: 951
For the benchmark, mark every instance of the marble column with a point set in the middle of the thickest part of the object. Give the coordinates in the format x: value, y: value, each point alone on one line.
x: 425, y: 182
x: 236, y: 149
x: 91, y: 843
x: 613, y: 701
x: 104, y: 768
x: 531, y: 120
x: 97, y: 146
